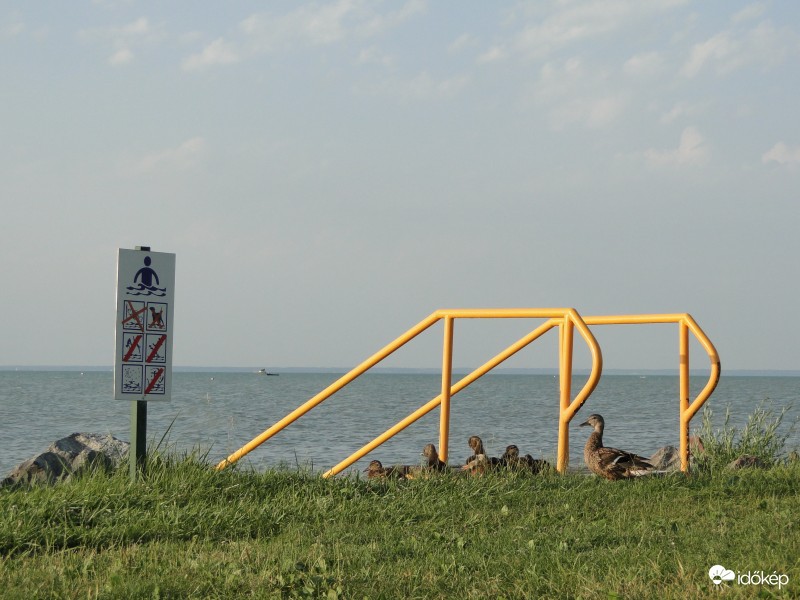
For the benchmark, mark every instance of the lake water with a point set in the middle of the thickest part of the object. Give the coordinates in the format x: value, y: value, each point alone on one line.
x: 218, y: 413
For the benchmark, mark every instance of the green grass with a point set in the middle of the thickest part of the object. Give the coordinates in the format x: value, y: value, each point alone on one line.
x: 762, y: 436
x: 186, y: 531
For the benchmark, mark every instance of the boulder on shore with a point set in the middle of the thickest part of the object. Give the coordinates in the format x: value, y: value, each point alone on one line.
x: 68, y: 456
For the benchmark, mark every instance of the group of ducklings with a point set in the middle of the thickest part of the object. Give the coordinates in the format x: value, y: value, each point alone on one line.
x: 609, y: 463
x: 478, y: 463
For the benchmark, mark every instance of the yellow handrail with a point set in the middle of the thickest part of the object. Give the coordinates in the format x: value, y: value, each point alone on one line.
x: 685, y: 324
x: 567, y: 320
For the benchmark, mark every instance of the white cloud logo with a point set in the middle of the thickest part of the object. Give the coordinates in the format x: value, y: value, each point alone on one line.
x: 718, y: 574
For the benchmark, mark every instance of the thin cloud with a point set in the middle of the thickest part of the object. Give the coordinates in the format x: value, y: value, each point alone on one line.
x: 121, y: 57
x: 574, y: 93
x: 644, y: 64
x: 692, y: 150
x: 748, y: 13
x: 373, y: 56
x: 783, y: 154
x: 575, y: 22
x: 681, y: 110
x: 493, y: 54
x: 324, y: 24
x: 465, y: 40
x: 125, y: 39
x: 730, y: 50
x: 219, y: 52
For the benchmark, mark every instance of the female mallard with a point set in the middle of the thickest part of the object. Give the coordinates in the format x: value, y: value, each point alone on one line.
x: 610, y: 462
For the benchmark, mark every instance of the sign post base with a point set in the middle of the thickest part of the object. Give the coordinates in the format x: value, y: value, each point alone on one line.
x: 138, y: 450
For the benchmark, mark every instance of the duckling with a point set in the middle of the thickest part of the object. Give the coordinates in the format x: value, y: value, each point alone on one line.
x: 477, y: 466
x: 511, y: 459
x: 476, y: 444
x: 434, y: 462
x: 611, y: 463
x: 377, y: 470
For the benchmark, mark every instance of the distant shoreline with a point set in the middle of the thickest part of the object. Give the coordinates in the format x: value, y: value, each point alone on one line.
x: 409, y: 370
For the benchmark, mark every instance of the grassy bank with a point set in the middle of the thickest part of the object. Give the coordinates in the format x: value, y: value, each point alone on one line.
x: 189, y: 532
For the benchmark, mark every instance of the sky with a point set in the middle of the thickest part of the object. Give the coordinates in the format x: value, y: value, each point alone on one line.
x: 330, y: 173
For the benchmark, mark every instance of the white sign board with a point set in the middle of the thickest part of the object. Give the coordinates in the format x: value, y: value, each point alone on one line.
x: 145, y: 292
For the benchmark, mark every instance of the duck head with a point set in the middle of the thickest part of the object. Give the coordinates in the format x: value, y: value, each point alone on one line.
x: 476, y: 444
x: 429, y: 452
x: 375, y: 466
x: 595, y: 421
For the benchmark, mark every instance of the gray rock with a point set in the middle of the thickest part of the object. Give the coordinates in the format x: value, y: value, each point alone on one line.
x: 68, y: 456
x: 666, y: 458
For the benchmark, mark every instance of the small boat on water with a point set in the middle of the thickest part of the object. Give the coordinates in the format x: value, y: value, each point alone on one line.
x: 265, y: 372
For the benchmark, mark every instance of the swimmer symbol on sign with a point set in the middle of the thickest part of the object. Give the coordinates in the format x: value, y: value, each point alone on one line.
x: 145, y: 286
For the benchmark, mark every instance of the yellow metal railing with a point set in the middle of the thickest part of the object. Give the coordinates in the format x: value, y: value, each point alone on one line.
x: 567, y: 319
x: 685, y: 324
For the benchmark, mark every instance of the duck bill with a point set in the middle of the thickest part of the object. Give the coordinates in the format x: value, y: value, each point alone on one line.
x: 585, y: 424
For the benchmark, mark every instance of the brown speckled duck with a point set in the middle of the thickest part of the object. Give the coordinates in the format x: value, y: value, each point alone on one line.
x: 611, y: 463
x: 476, y: 444
x: 478, y: 465
x: 434, y: 462
x: 376, y: 470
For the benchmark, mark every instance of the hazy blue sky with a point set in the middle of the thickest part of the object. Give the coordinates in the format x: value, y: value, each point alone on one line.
x: 330, y: 173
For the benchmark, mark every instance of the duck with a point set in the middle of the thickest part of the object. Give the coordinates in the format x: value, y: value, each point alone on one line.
x: 611, y: 463
x: 476, y: 444
x: 512, y: 460
x: 478, y: 465
x: 434, y: 462
x: 376, y: 470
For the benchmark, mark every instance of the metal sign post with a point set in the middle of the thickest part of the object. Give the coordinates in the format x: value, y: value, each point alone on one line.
x: 143, y: 350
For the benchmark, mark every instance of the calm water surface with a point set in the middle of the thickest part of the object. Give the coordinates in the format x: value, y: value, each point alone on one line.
x: 218, y: 413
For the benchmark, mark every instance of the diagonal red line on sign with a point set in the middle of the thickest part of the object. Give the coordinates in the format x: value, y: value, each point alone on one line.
x: 134, y: 315
x: 158, y: 345
x: 152, y: 384
x: 132, y: 348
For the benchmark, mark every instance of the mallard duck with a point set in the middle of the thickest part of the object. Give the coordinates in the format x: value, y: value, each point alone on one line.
x: 609, y: 462
x: 512, y: 459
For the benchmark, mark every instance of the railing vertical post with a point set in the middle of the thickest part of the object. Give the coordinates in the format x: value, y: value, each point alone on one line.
x: 447, y: 373
x: 683, y: 351
x: 565, y: 371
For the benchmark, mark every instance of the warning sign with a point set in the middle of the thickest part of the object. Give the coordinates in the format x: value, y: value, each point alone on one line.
x: 143, y: 363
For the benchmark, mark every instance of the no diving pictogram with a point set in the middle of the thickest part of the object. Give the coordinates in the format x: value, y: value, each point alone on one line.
x: 132, y: 347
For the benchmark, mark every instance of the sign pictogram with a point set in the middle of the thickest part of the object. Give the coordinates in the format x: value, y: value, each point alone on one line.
x: 143, y: 363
